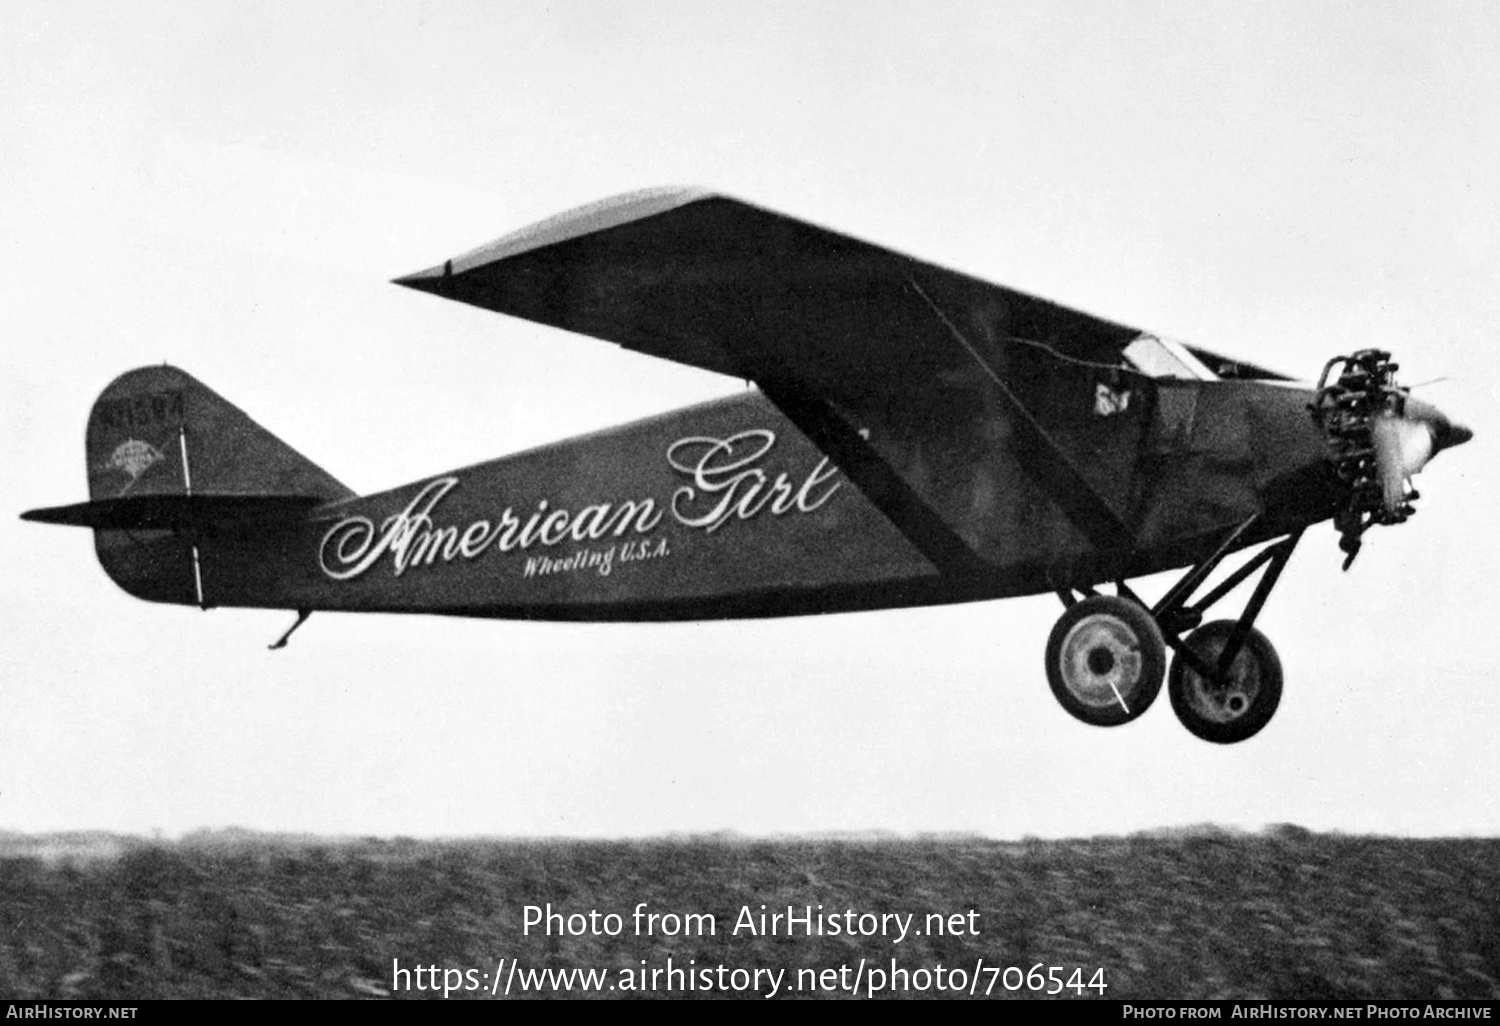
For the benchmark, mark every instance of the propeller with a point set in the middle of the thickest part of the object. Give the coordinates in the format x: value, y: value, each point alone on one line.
x: 1379, y: 437
x: 1404, y: 444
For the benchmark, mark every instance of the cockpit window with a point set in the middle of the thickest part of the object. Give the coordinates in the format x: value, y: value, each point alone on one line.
x: 1162, y: 358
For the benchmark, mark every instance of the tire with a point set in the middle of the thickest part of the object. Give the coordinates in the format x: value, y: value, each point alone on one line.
x: 1227, y: 714
x: 1105, y: 660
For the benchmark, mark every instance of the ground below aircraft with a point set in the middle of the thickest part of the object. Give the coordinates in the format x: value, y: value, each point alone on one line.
x: 917, y: 436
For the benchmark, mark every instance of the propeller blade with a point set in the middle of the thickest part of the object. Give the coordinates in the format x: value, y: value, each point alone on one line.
x: 1402, y: 446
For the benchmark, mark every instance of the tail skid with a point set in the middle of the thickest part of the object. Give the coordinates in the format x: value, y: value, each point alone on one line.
x: 279, y: 643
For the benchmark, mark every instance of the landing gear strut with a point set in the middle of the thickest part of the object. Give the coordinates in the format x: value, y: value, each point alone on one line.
x: 1107, y: 653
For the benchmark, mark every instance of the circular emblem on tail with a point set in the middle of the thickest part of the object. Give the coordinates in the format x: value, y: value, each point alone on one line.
x: 134, y: 457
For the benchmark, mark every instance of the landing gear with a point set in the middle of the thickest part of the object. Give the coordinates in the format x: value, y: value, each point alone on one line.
x: 1106, y: 654
x: 1236, y: 705
x: 1105, y: 660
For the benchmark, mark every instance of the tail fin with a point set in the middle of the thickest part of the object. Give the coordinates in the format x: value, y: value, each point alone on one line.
x: 167, y: 459
x: 159, y: 431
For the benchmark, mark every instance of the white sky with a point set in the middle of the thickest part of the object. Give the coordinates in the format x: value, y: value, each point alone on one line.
x: 229, y: 187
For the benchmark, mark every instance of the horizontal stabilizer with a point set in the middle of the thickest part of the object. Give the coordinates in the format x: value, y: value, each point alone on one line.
x: 174, y: 512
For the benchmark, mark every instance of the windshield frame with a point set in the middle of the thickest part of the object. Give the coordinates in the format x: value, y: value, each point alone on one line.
x: 1165, y: 359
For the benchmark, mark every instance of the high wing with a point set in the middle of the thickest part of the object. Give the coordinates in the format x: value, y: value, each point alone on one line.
x: 928, y: 387
x: 1234, y: 369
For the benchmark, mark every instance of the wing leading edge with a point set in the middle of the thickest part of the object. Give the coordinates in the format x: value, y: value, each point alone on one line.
x: 925, y: 385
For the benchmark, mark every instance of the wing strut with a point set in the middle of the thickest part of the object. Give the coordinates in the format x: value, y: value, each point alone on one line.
x: 1045, y: 460
x: 901, y: 504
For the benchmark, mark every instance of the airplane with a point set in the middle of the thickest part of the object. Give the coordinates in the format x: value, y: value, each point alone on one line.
x: 916, y: 436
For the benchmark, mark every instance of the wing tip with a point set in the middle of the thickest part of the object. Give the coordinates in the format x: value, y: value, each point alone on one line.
x: 425, y: 279
x: 600, y: 215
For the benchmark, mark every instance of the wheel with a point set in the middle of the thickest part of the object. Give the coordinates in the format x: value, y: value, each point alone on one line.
x: 1105, y: 660
x: 1226, y: 713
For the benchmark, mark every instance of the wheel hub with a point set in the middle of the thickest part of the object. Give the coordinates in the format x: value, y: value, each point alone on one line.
x: 1101, y: 661
x: 1231, y: 699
